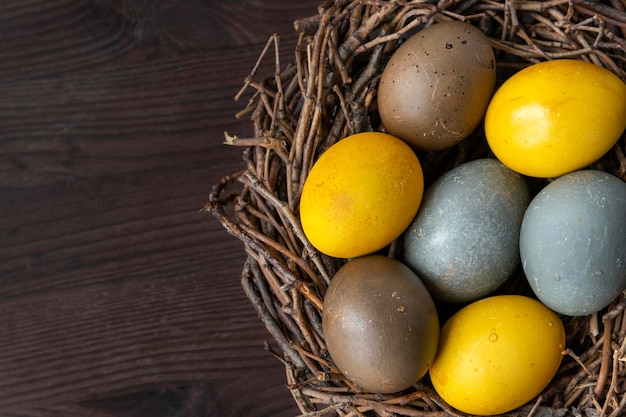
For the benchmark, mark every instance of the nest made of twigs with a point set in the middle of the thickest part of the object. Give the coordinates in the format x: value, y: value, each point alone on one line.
x: 328, y: 92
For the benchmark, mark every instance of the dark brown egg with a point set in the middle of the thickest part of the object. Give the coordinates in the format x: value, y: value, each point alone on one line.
x: 435, y: 89
x: 380, y: 324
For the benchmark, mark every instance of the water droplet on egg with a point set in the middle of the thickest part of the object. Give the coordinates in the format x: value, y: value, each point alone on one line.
x: 493, y: 337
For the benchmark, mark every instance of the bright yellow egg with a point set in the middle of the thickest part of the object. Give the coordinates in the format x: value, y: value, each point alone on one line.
x: 555, y: 117
x: 361, y: 194
x: 497, y: 354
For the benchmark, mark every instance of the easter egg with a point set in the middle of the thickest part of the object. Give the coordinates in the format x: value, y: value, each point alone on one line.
x: 380, y: 324
x: 361, y: 194
x: 497, y: 354
x: 555, y: 117
x: 436, y: 86
x: 464, y: 240
x: 573, y: 242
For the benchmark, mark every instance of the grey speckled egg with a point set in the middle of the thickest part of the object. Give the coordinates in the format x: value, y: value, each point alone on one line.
x: 464, y: 240
x: 573, y: 242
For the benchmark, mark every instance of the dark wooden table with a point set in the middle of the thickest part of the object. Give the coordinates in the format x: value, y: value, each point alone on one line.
x: 118, y: 296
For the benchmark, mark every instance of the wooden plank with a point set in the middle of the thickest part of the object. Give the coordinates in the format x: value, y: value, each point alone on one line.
x: 118, y: 296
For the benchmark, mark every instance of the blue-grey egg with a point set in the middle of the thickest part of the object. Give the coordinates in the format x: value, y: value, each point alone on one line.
x: 573, y: 242
x: 464, y: 241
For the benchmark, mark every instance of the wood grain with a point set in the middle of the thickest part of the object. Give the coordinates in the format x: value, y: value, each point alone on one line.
x: 118, y: 296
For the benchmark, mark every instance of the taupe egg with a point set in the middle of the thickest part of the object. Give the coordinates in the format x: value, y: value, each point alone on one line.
x: 380, y: 324
x: 435, y: 89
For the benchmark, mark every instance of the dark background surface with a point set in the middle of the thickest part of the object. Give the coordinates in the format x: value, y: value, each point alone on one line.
x: 118, y: 296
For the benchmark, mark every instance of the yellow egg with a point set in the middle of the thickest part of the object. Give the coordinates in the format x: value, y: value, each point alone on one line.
x: 497, y: 354
x: 361, y: 194
x: 555, y: 117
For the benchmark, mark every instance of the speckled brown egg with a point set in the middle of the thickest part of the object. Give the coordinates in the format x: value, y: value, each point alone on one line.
x: 435, y: 89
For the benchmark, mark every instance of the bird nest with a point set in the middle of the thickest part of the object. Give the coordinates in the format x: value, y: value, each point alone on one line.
x: 327, y: 92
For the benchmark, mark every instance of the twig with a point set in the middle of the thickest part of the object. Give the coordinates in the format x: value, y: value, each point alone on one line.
x: 577, y: 359
x: 606, y: 358
x: 535, y: 406
x: 612, y: 387
x: 250, y: 76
